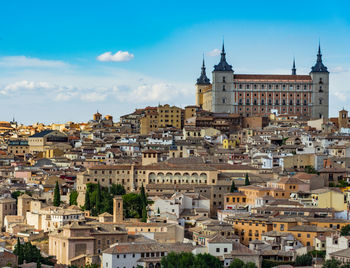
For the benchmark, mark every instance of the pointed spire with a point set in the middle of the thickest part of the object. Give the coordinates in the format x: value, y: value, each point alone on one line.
x: 319, y: 67
x: 294, y: 70
x: 203, y: 79
x: 319, y: 55
x: 223, y: 65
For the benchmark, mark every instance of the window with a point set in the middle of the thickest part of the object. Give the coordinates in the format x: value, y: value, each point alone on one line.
x: 320, y: 101
x: 217, y: 249
x: 223, y: 88
x: 225, y: 249
x: 223, y: 100
x: 224, y: 79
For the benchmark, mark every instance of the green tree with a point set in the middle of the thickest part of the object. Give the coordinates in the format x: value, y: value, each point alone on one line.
x: 247, y: 181
x: 345, y: 230
x: 233, y: 187
x: 117, y: 189
x: 16, y: 194
x: 38, y: 263
x: 98, y: 198
x: 236, y: 263
x: 331, y: 264
x: 132, y: 205
x: 177, y: 260
x: 346, y: 265
x: 206, y: 261
x: 303, y: 260
x: 144, y: 214
x: 250, y: 265
x: 87, y: 201
x: 19, y: 251
x: 143, y: 195
x: 73, y: 198
x: 57, y: 196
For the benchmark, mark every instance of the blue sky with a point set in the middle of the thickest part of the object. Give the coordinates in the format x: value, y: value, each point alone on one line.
x: 55, y: 65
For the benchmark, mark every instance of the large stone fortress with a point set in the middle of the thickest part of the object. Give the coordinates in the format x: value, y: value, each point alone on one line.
x: 256, y: 95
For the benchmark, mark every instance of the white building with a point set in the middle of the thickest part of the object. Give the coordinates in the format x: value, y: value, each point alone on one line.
x: 335, y: 243
x: 179, y: 202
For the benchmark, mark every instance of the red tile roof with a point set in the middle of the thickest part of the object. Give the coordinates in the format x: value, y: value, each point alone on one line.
x: 272, y: 77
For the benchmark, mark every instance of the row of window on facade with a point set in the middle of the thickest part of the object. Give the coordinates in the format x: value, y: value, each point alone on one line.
x: 263, y: 86
x: 283, y: 87
x: 255, y: 102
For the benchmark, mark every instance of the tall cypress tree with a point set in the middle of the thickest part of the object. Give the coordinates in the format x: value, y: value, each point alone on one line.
x: 233, y: 187
x: 247, y: 182
x: 144, y: 214
x: 19, y: 251
x: 143, y: 195
x: 98, y: 198
x: 57, y: 195
x: 87, y: 205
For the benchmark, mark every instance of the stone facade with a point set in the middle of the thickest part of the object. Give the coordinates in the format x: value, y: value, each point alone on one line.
x: 256, y: 95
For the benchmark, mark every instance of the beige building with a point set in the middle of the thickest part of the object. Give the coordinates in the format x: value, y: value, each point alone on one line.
x: 74, y: 243
x: 299, y: 161
x: 163, y: 177
x: 48, y: 139
x: 160, y: 117
x: 256, y: 95
x: 18, y: 147
x: 7, y: 207
x: 329, y: 198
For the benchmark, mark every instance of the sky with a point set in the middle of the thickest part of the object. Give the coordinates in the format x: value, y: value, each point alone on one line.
x: 63, y: 60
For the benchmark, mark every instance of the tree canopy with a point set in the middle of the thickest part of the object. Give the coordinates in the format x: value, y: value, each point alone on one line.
x: 73, y: 198
x: 247, y: 181
x: 332, y: 264
x: 237, y: 263
x: 303, y: 260
x: 345, y: 230
x: 57, y: 195
x: 233, y: 187
x: 187, y: 259
x: 29, y: 253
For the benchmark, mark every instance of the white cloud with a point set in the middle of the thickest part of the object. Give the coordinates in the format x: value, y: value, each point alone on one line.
x: 65, y: 96
x: 23, y: 86
x: 93, y: 96
x: 214, y: 52
x: 23, y: 61
x: 118, y: 56
x: 341, y: 96
x: 338, y: 69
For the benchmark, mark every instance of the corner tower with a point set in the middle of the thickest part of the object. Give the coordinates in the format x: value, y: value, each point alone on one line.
x: 222, y: 93
x: 320, y: 88
x: 203, y: 85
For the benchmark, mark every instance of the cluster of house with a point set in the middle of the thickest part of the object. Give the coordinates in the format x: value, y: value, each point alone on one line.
x: 252, y: 188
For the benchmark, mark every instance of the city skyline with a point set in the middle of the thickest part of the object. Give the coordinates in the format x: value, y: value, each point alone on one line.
x: 96, y: 58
